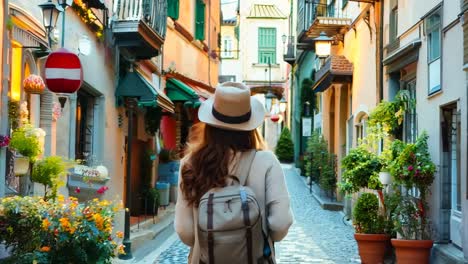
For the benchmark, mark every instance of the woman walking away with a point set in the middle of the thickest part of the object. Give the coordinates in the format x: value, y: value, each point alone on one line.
x: 233, y: 203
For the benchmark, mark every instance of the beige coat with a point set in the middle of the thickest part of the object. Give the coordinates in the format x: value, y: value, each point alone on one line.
x: 267, y: 181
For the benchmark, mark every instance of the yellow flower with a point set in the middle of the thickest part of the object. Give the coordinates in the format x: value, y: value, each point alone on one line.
x: 119, y: 234
x: 45, y: 224
x: 61, y: 198
x: 99, y: 221
x: 121, y: 249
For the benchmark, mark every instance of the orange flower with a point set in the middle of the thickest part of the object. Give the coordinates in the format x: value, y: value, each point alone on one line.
x: 45, y: 249
x: 119, y: 234
x: 121, y: 249
x: 45, y: 224
x: 99, y: 220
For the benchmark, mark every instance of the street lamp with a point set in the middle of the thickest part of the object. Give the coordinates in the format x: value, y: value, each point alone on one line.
x: 323, y: 45
x: 64, y: 4
x: 282, y: 105
x: 269, y: 100
x: 50, y: 14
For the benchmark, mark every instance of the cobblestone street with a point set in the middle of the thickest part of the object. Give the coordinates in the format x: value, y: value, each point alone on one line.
x: 317, y: 236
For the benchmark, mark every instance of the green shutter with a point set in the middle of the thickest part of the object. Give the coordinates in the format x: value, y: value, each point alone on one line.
x: 173, y: 9
x: 267, y: 45
x: 200, y: 20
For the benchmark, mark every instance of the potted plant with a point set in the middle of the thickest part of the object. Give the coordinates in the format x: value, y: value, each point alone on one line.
x: 285, y: 147
x: 50, y: 173
x: 411, y: 168
x: 370, y: 227
x: 26, y: 142
x: 361, y: 167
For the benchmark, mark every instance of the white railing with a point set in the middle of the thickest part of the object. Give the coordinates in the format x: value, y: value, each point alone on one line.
x: 128, y: 9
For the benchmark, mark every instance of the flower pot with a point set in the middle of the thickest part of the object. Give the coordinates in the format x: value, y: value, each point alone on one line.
x: 385, y: 177
x: 21, y: 165
x: 372, y: 247
x: 412, y: 251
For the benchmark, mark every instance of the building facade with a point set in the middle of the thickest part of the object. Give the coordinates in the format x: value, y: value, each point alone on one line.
x: 423, y: 40
x: 190, y: 64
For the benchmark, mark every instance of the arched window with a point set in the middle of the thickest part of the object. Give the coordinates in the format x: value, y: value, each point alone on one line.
x: 361, y: 125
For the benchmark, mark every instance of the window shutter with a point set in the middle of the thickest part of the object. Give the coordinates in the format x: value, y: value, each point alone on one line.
x: 200, y: 20
x: 173, y: 9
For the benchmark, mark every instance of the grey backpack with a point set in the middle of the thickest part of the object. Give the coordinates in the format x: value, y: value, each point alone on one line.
x: 230, y: 223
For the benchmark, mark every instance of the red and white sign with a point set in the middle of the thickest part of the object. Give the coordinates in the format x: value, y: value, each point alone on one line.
x: 63, y: 72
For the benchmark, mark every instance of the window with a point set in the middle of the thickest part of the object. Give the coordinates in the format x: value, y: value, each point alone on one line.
x: 85, y: 110
x: 361, y: 127
x: 200, y: 8
x: 410, y: 128
x: 433, y: 31
x: 331, y: 9
x: 393, y: 24
x: 267, y: 45
x: 226, y: 78
x: 226, y: 47
x: 173, y: 9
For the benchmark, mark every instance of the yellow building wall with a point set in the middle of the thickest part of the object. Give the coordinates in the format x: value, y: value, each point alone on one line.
x: 188, y: 57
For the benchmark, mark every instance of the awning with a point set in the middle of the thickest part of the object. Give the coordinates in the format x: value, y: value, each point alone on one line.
x: 266, y: 11
x: 337, y: 69
x: 136, y: 86
x: 179, y: 91
x: 402, y: 56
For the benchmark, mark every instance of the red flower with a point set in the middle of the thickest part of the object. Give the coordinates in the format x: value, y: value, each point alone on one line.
x: 102, y: 190
x: 77, y: 190
x: 410, y: 168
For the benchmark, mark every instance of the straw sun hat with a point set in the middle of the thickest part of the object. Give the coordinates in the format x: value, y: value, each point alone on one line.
x: 232, y: 108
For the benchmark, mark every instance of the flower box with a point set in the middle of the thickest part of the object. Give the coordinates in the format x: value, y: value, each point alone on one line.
x: 86, y: 183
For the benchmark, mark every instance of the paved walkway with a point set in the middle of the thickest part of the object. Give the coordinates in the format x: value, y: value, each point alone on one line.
x: 317, y: 235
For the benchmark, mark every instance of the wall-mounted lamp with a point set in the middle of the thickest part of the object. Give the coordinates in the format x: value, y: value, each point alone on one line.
x: 282, y: 104
x: 50, y: 14
x: 323, y: 45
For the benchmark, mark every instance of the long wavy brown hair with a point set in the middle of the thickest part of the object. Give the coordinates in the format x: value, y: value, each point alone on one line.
x: 209, y: 152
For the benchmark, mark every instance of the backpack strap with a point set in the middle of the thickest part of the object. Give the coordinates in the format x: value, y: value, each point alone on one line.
x: 248, y: 233
x: 210, y: 229
x: 243, y: 171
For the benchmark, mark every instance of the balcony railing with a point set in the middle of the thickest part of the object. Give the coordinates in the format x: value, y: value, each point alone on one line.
x: 152, y: 12
x: 139, y: 26
x: 311, y: 10
x: 290, y: 55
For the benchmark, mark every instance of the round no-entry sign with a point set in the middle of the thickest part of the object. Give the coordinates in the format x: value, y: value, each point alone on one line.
x: 63, y: 72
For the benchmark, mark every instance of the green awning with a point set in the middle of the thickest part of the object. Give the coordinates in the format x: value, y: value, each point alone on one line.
x: 179, y: 91
x: 136, y: 86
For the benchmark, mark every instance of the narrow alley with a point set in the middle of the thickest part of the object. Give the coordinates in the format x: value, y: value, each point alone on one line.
x: 317, y: 235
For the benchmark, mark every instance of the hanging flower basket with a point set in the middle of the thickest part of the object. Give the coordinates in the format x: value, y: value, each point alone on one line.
x: 34, y: 84
x: 21, y: 166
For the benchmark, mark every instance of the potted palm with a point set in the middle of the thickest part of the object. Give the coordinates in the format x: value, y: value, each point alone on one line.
x: 361, y: 171
x: 412, y: 168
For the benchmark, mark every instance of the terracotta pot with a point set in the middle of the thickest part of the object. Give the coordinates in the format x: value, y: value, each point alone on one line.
x: 372, y: 247
x: 412, y: 251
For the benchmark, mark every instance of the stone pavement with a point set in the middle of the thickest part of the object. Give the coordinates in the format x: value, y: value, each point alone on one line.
x: 317, y: 235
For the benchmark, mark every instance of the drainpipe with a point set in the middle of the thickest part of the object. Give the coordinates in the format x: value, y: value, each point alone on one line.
x: 381, y: 51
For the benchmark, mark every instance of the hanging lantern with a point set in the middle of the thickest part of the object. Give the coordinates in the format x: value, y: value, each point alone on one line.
x: 34, y: 84
x: 275, y: 118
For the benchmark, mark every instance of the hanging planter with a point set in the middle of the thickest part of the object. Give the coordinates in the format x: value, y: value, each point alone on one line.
x: 34, y: 84
x: 275, y: 118
x: 21, y: 166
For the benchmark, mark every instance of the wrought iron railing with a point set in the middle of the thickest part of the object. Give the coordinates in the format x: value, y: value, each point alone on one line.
x: 152, y: 12
x: 309, y: 10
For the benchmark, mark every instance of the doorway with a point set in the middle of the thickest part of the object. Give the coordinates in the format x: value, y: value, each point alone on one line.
x: 451, y: 174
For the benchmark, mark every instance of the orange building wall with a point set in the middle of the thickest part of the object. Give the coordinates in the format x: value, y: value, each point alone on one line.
x: 189, y: 58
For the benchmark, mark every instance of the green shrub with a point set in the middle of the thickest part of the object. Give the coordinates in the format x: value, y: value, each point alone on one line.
x: 25, y: 141
x: 320, y: 164
x: 366, y: 215
x: 361, y: 170
x: 285, y: 147
x: 50, y: 172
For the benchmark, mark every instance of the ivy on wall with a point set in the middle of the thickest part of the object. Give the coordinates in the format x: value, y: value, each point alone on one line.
x: 88, y: 17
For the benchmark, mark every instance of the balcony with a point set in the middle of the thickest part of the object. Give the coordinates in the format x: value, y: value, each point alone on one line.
x: 290, y: 55
x: 315, y: 16
x: 139, y: 27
